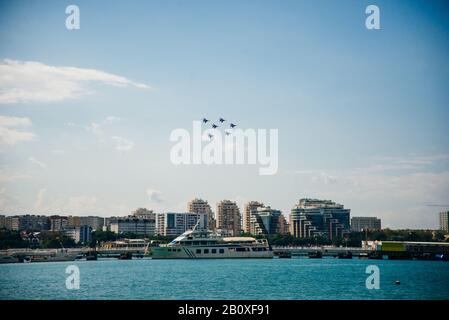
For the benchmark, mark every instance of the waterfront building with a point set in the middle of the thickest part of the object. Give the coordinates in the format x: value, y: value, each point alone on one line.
x: 250, y: 206
x: 202, y: 206
x: 175, y: 223
x: 81, y: 234
x: 444, y: 221
x: 137, y: 226
x: 58, y: 223
x: 359, y: 224
x: 319, y: 218
x: 266, y: 221
x: 228, y: 217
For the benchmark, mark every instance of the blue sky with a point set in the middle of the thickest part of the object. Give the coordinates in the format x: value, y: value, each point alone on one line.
x: 362, y: 114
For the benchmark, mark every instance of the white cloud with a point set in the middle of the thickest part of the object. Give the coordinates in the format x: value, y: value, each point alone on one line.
x: 10, y: 135
x: 122, y: 144
x: 154, y: 196
x: 31, y: 81
x: 37, y: 162
x: 97, y: 128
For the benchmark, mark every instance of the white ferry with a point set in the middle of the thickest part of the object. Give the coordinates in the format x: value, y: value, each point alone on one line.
x: 194, y: 244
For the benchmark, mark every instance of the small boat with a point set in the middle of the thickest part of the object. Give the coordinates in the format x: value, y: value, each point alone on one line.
x: 315, y: 254
x: 345, y: 255
x: 91, y: 256
x: 9, y: 259
x: 363, y: 255
x: 284, y: 255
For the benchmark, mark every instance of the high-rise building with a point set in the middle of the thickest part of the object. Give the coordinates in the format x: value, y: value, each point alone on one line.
x: 80, y: 234
x: 143, y: 227
x: 12, y: 223
x: 266, y: 221
x: 250, y: 206
x: 175, y: 223
x: 283, y: 224
x: 359, y: 224
x: 58, y: 223
x: 34, y: 222
x: 324, y: 218
x: 73, y: 221
x: 27, y: 222
x: 228, y: 217
x: 2, y: 222
x: 444, y: 221
x: 96, y: 223
x: 201, y: 206
x: 144, y: 213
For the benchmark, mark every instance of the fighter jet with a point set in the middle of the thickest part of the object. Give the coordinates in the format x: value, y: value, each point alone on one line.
x: 205, y: 120
x: 222, y: 120
x: 214, y: 126
x: 233, y: 125
x: 210, y: 136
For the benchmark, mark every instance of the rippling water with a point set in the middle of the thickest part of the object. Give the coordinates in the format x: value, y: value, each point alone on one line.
x: 297, y: 278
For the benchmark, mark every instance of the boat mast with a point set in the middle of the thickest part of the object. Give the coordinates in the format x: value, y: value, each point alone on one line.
x: 197, y: 222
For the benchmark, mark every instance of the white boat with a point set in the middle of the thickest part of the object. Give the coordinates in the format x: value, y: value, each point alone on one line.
x: 194, y: 244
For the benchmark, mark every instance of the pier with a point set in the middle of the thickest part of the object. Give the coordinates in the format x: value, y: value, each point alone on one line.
x: 325, y: 251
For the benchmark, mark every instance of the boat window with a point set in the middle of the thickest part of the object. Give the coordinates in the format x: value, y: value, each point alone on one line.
x: 179, y: 250
x: 204, y: 243
x: 221, y: 250
x: 240, y: 249
x: 195, y: 243
x: 206, y: 250
x: 214, y: 250
x: 169, y: 250
x: 198, y: 251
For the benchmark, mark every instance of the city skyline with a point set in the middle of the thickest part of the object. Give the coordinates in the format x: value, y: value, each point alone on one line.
x: 243, y: 209
x: 85, y: 118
